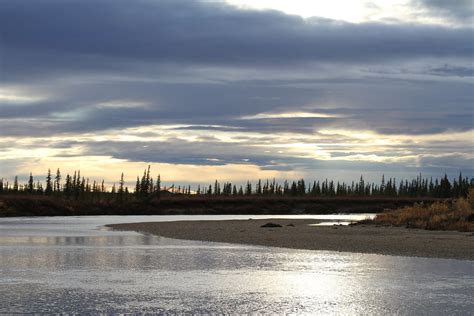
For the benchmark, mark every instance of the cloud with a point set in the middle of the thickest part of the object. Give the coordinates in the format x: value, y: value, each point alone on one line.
x: 449, y: 70
x: 460, y: 10
x: 289, y: 115
x: 76, y: 38
x: 119, y: 104
x: 205, y: 84
x: 173, y: 144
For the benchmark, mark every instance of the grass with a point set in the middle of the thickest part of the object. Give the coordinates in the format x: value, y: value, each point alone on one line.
x: 457, y: 215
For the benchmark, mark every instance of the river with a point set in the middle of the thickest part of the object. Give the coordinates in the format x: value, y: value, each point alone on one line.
x: 74, y: 264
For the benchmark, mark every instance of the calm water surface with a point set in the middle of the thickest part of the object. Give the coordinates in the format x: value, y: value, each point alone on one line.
x: 71, y: 264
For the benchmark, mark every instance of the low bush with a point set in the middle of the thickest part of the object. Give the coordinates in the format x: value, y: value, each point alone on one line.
x: 443, y: 215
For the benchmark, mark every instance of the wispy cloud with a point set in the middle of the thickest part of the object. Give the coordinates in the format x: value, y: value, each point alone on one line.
x: 289, y: 115
x: 117, y: 104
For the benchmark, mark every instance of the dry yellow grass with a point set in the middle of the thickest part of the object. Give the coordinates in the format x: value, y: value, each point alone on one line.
x: 470, y: 197
x: 449, y: 215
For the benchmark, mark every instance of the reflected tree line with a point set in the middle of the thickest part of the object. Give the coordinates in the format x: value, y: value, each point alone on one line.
x: 78, y: 187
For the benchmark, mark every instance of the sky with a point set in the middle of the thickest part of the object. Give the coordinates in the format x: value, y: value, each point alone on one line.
x: 236, y: 90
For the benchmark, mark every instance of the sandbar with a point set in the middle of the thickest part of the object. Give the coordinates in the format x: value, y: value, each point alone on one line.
x: 298, y: 234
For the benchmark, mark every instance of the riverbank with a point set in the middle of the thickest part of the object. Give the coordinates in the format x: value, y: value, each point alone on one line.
x: 31, y: 205
x: 298, y: 234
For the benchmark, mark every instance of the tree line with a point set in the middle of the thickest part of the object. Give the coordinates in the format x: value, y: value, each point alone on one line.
x: 78, y: 187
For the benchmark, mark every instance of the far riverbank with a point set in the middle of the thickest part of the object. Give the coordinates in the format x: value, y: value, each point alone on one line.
x: 31, y: 205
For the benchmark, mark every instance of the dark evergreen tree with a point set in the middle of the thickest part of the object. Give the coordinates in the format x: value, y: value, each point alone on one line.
x: 294, y: 189
x: 217, y: 188
x: 31, y: 184
x: 137, y: 188
x: 121, y: 191
x: 49, y: 187
x: 68, y: 187
x: 16, y: 185
x: 158, y: 187
x: 445, y: 187
x: 57, y: 181
x: 259, y: 187
x: 248, y: 188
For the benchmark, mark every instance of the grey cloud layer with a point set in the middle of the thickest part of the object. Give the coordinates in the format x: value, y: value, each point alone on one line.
x: 389, y: 106
x: 203, y: 63
x: 452, y: 9
x: 189, y: 31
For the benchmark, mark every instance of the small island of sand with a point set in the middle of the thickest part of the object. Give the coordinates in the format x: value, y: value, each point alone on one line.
x: 299, y: 234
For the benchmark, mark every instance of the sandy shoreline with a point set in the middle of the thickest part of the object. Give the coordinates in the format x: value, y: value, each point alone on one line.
x: 360, y: 238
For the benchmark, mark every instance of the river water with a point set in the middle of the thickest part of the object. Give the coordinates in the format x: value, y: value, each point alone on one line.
x: 73, y: 264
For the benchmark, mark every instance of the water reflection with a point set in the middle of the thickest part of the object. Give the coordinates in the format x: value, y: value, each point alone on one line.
x: 49, y: 270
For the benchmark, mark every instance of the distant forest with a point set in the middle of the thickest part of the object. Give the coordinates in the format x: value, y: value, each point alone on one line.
x: 77, y: 187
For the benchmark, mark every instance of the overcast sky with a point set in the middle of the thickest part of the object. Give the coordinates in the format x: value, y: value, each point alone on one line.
x: 237, y: 90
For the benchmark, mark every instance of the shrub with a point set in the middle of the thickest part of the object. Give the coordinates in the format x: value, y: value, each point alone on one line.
x: 470, y: 197
x: 446, y: 215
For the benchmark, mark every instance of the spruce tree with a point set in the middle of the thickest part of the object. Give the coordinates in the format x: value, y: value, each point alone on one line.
x: 57, y: 181
x: 30, y: 184
x: 248, y: 188
x: 67, y: 186
x: 158, y: 187
x: 137, y: 187
x: 121, y: 189
x: 259, y: 187
x: 15, y: 184
x: 49, y: 187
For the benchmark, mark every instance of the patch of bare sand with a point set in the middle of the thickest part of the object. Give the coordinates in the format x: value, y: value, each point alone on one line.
x: 358, y: 238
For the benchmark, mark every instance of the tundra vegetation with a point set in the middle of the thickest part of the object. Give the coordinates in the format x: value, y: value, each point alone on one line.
x: 457, y: 214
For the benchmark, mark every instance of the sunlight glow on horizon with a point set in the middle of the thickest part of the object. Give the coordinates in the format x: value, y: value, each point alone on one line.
x: 324, y: 145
